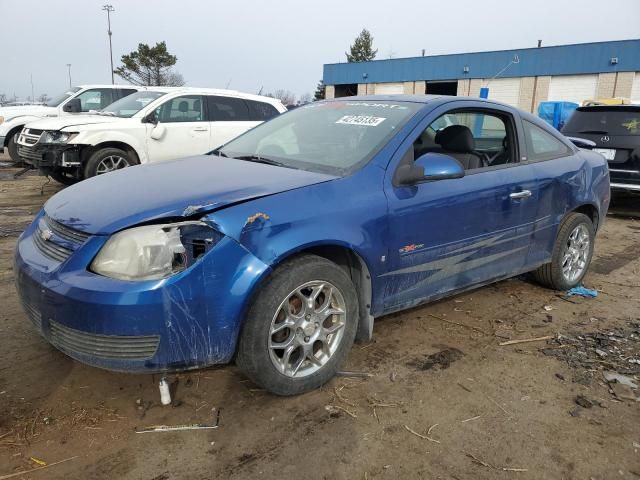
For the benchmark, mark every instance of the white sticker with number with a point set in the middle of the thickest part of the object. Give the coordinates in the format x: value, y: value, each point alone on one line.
x: 365, y: 120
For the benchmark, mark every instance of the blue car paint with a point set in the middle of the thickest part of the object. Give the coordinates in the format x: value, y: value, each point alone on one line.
x: 418, y: 243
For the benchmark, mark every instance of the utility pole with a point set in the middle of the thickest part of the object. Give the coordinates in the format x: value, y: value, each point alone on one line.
x: 109, y: 9
x: 32, y: 94
x: 69, y: 70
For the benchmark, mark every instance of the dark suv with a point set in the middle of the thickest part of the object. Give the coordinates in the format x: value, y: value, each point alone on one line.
x: 615, y: 129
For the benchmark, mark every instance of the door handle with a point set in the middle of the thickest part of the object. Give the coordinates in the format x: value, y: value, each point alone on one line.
x: 201, y: 129
x: 521, y: 194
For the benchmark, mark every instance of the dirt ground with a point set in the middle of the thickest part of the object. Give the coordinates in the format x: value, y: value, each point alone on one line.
x: 445, y: 399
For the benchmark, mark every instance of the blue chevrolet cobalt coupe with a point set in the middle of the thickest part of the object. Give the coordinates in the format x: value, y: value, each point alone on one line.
x: 279, y: 249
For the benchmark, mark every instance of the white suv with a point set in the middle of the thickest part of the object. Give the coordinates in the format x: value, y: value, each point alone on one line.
x: 76, y: 100
x: 159, y: 123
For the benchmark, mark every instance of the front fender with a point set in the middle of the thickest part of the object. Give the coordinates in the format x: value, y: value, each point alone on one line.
x: 95, y: 139
x: 277, y: 226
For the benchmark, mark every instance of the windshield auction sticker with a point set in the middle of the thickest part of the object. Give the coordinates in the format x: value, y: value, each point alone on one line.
x: 366, y: 120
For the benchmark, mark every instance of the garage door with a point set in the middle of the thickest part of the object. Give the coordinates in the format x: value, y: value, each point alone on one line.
x: 573, y: 88
x: 389, y: 89
x: 506, y: 90
x: 635, y: 90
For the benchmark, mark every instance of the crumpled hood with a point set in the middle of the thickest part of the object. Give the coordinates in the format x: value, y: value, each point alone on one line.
x: 37, y: 110
x: 179, y: 188
x: 75, y: 120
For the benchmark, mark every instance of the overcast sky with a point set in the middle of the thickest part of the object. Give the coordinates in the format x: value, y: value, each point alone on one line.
x: 279, y: 43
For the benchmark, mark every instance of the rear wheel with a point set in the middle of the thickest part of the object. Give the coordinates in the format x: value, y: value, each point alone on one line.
x: 572, y: 254
x: 300, y: 326
x: 108, y: 160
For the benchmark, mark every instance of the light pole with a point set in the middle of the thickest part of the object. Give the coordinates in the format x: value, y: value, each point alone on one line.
x: 69, y: 70
x: 109, y: 9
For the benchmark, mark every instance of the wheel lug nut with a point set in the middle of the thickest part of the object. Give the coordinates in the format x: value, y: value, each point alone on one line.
x: 307, y: 316
x: 306, y: 339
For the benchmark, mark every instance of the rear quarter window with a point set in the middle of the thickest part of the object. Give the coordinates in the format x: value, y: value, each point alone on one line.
x: 261, y: 111
x: 542, y: 145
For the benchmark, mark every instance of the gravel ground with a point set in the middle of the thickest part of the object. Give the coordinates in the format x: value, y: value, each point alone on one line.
x: 445, y: 399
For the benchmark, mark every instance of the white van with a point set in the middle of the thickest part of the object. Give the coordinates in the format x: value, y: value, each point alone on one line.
x: 155, y: 124
x: 81, y: 99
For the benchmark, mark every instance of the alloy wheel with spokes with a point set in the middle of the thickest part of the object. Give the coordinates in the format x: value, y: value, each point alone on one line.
x: 111, y: 163
x: 300, y: 326
x: 576, y: 253
x: 307, y: 328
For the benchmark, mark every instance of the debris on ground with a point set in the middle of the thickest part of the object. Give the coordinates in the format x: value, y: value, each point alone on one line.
x: 175, y: 428
x: 583, y: 292
x: 526, y: 340
x: 354, y: 374
x: 613, y: 351
x: 443, y: 359
x: 623, y: 379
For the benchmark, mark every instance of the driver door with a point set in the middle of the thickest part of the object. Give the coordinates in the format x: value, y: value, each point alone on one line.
x: 451, y: 234
x: 182, y: 129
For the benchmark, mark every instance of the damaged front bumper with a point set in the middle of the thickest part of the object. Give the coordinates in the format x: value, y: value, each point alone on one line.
x: 47, y: 157
x: 189, y: 320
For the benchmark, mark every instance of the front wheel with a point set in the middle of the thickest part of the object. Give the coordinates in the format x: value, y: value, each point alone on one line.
x: 572, y: 254
x: 108, y: 160
x: 12, y: 148
x: 300, y: 326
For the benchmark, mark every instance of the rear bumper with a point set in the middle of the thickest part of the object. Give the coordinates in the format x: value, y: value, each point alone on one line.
x: 624, y: 179
x: 187, y: 321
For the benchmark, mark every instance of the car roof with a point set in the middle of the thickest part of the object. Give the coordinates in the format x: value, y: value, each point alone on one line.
x: 424, y: 99
x: 200, y: 90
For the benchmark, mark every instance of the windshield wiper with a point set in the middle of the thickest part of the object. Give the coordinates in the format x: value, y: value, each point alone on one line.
x: 261, y: 159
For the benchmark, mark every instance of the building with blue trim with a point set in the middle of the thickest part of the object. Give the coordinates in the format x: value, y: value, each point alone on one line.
x: 520, y: 77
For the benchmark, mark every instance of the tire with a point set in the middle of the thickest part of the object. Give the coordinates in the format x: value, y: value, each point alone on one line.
x: 107, y: 160
x: 63, y: 177
x: 270, y: 367
x: 12, y: 148
x: 554, y: 274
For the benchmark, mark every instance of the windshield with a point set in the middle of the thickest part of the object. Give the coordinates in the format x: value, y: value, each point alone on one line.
x: 332, y: 137
x: 58, y: 99
x: 609, y: 121
x: 128, y: 106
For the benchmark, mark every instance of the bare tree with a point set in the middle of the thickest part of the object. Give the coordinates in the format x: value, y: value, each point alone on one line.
x: 3, y: 98
x: 285, y: 96
x: 305, y: 98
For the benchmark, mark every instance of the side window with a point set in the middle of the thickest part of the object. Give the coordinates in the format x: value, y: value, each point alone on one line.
x: 261, y: 111
x: 227, y: 109
x: 124, y: 92
x: 95, y: 99
x: 188, y: 108
x: 477, y: 139
x: 542, y: 145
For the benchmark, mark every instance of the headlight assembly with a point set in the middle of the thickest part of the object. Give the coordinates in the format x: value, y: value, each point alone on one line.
x: 56, y: 137
x: 154, y: 252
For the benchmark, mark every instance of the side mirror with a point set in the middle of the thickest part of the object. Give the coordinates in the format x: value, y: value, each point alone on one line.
x: 428, y: 168
x: 151, y: 118
x: 73, y: 106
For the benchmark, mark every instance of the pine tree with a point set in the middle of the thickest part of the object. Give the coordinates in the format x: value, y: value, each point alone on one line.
x: 319, y: 93
x: 362, y: 48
